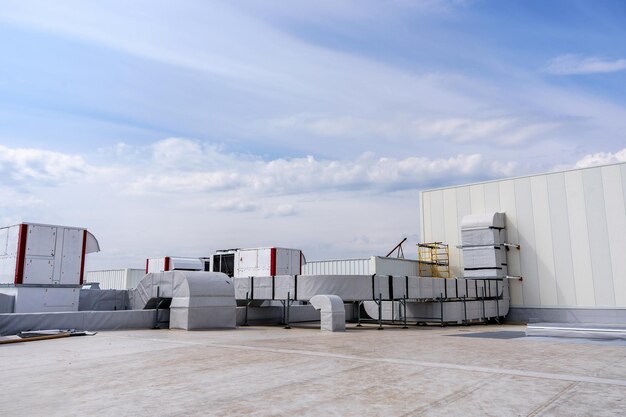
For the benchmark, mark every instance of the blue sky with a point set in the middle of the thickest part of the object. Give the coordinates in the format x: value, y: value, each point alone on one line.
x: 185, y: 127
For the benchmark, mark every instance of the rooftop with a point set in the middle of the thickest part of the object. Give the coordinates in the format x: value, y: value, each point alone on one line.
x: 477, y: 370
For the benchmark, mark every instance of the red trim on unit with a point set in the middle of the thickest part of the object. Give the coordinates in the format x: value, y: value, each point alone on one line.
x: 21, y: 253
x: 166, y: 267
x: 147, y: 264
x: 273, y: 261
x: 82, y: 257
x: 300, y: 262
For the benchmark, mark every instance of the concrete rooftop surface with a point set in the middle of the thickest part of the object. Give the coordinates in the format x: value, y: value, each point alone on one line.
x: 269, y: 371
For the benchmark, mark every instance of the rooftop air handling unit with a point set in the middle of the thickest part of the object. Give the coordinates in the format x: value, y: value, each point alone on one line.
x: 258, y: 262
x: 42, y: 266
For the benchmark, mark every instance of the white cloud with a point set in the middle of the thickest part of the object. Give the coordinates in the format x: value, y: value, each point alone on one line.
x: 234, y: 205
x: 177, y: 166
x: 601, y: 158
x: 496, y: 130
x: 328, y: 207
x: 576, y: 64
x: 297, y: 175
x: 281, y: 210
x: 501, y: 131
x: 25, y: 166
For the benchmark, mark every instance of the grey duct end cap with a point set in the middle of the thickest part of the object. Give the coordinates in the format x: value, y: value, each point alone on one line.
x: 483, y: 221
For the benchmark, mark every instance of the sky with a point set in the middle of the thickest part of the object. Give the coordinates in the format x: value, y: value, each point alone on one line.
x: 180, y: 128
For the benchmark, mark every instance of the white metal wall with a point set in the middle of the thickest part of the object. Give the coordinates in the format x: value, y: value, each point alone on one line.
x: 363, y: 266
x: 116, y: 279
x: 338, y: 267
x: 571, y: 226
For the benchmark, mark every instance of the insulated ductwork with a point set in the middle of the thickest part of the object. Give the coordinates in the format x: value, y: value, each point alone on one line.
x: 332, y: 312
x: 460, y: 300
x: 483, y: 239
x: 197, y: 300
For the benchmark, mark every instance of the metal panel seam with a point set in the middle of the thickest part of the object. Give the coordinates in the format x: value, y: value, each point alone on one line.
x: 82, y: 258
x: 567, y: 213
x: 21, y: 253
x: 556, y: 282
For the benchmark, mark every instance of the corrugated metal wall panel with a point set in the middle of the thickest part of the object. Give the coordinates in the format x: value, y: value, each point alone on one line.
x: 616, y: 218
x: 116, y: 279
x: 338, y: 267
x: 561, y: 242
x: 463, y: 208
x: 581, y: 255
x: 543, y: 241
x: 427, y: 232
x: 452, y: 230
x: 598, y: 238
x: 437, y: 219
x: 492, y: 197
x: 363, y: 266
x: 477, y: 198
x: 109, y: 279
x: 507, y: 205
x: 623, y: 170
x: 133, y: 277
x: 421, y: 214
x: 526, y: 232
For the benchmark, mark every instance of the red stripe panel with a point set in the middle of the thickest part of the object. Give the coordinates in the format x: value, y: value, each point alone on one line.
x: 21, y: 253
x: 147, y: 263
x: 167, y: 264
x: 82, y: 257
x: 273, y: 261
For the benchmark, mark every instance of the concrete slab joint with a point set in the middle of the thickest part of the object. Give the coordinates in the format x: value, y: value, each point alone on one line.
x: 332, y: 312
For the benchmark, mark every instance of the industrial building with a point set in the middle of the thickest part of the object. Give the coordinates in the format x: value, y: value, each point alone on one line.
x: 571, y: 229
x: 539, y: 248
x: 551, y: 244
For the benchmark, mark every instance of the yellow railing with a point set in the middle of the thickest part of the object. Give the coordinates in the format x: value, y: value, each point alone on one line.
x: 434, y: 259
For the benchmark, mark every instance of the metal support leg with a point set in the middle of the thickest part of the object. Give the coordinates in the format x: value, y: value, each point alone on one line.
x: 287, y: 326
x: 358, y: 314
x: 404, y: 311
x: 245, y: 321
x: 497, y: 304
x: 483, y: 301
x: 282, y: 302
x: 465, y: 312
x: 441, y: 307
x: 380, y: 311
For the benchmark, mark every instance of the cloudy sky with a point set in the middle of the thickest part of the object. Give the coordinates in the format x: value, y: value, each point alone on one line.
x: 179, y: 128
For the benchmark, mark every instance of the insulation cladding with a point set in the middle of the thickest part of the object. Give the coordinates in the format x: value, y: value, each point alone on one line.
x: 571, y: 226
x: 116, y: 279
